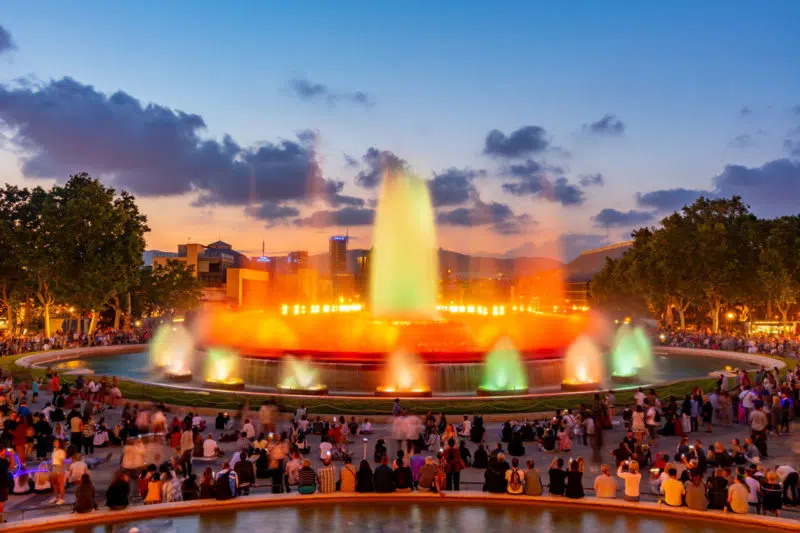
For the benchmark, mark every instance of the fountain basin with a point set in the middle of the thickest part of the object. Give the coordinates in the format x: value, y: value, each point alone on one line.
x: 316, y: 390
x: 579, y: 387
x: 391, y: 392
x: 233, y: 384
x: 486, y: 391
x: 179, y: 376
x: 624, y: 380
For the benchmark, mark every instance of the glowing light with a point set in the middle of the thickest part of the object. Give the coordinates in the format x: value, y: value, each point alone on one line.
x: 471, y: 309
x: 632, y: 354
x: 583, y: 363
x: 404, y: 372
x: 503, y: 369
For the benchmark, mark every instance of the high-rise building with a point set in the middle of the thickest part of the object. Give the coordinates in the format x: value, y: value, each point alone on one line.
x: 298, y: 260
x: 362, y: 273
x: 337, y: 254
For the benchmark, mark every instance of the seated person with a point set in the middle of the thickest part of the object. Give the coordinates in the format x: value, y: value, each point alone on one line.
x: 23, y: 484
x: 77, y: 468
x: 210, y: 449
x: 366, y: 427
x: 101, y: 439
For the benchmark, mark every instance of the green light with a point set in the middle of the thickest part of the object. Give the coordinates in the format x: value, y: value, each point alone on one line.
x: 221, y: 365
x: 405, y: 264
x: 632, y: 354
x: 503, y: 369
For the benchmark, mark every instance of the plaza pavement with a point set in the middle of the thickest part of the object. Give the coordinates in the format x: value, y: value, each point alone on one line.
x: 32, y: 506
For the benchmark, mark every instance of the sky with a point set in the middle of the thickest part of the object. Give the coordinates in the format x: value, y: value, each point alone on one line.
x: 545, y: 128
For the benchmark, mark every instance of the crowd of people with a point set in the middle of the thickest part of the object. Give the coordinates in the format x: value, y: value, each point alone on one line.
x: 19, y: 343
x: 166, y: 458
x: 784, y: 345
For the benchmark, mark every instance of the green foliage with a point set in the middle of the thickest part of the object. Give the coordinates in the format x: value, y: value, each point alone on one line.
x: 711, y: 254
x: 165, y: 290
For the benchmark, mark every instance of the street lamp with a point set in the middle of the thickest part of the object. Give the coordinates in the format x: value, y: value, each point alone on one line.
x: 730, y: 315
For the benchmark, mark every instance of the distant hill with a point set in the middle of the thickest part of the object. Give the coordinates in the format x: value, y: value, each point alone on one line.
x: 590, y: 262
x: 461, y: 265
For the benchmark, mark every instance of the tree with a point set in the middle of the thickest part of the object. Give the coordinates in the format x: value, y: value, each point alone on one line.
x: 779, y: 263
x: 14, y: 289
x: 166, y: 290
x: 98, y: 239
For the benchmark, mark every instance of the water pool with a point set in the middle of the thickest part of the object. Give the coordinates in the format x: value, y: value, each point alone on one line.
x: 451, y: 378
x: 380, y: 518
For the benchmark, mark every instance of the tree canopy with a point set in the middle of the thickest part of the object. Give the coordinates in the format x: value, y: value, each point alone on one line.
x: 712, y: 254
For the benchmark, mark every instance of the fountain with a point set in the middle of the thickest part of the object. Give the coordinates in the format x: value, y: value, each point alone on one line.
x: 503, y: 371
x: 299, y: 377
x: 222, y: 369
x: 405, y: 264
x: 171, y: 348
x: 583, y: 366
x: 632, y: 355
x: 405, y: 376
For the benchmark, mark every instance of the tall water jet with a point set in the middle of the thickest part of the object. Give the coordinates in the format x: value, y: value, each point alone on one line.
x: 583, y: 366
x: 405, y: 265
x: 503, y: 371
x: 172, y: 348
x: 405, y: 375
x: 632, y: 355
x: 222, y: 369
x: 299, y: 377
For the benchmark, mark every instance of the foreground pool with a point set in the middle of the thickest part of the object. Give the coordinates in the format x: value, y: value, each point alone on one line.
x: 416, y: 518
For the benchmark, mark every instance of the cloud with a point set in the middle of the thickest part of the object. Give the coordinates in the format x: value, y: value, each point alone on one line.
x: 792, y: 141
x: 745, y: 140
x: 526, y: 140
x: 272, y: 212
x: 608, y: 125
x: 308, y: 90
x: 454, y: 186
x: 6, y: 42
x: 347, y: 216
x: 670, y: 199
x: 350, y: 161
x: 587, y: 180
x: 745, y: 111
x: 612, y: 218
x: 531, y: 179
x: 498, y: 216
x: 378, y: 162
x: 772, y: 189
x: 63, y: 126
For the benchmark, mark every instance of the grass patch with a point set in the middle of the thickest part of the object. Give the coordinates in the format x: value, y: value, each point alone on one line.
x: 231, y: 401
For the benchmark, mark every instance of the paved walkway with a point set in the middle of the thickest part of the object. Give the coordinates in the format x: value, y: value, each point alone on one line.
x: 31, y: 506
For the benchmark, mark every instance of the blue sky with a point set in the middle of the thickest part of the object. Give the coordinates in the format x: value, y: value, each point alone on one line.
x: 440, y: 76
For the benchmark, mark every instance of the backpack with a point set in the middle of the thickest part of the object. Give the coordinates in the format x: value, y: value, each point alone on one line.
x: 224, y: 490
x: 515, y: 482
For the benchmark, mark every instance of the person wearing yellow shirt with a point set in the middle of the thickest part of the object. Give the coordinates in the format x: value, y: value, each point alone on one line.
x: 672, y: 489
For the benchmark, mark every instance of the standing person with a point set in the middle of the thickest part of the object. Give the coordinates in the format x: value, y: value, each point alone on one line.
x: 265, y: 417
x: 758, y: 427
x: 638, y: 424
x: 454, y: 465
x: 58, y: 459
x: 5, y: 480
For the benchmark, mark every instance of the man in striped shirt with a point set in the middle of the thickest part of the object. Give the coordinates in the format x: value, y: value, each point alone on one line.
x: 326, y: 477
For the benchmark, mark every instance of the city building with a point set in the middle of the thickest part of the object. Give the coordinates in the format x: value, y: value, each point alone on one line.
x: 297, y: 260
x: 209, y: 263
x: 337, y: 254
x: 361, y: 277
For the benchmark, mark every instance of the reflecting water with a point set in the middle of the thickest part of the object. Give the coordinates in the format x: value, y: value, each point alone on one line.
x: 350, y: 378
x: 414, y: 519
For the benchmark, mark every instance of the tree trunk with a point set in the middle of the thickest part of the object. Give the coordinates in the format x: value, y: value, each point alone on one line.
x: 682, y: 317
x: 668, y: 315
x: 46, y: 312
x: 769, y: 308
x: 93, y: 323
x: 117, y: 312
x: 10, y: 319
x: 716, y: 306
x: 129, y: 313
x: 784, y: 309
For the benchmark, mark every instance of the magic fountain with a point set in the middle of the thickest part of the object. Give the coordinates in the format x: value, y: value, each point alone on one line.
x: 631, y: 355
x: 583, y: 366
x: 401, y: 331
x: 222, y: 369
